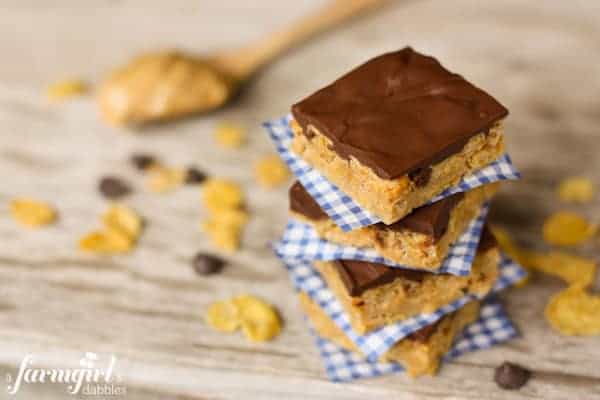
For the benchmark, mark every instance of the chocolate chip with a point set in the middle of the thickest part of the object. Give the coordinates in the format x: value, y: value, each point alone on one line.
x: 511, y: 376
x: 193, y: 176
x: 113, y: 187
x: 207, y: 264
x: 142, y: 161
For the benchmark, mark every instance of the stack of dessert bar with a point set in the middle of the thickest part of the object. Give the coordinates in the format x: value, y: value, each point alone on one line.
x: 396, y: 162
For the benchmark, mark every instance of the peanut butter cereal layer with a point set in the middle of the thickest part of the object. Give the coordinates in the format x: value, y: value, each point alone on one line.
x: 397, y: 131
x: 419, y: 353
x: 420, y: 240
x: 374, y: 295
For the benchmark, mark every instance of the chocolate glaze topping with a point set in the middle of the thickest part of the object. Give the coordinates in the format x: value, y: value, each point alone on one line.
x: 423, y: 334
x: 399, y: 112
x: 487, y: 240
x: 430, y: 220
x: 302, y: 203
x: 360, y: 276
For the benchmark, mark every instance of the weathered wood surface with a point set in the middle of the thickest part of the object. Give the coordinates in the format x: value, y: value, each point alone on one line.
x: 147, y: 308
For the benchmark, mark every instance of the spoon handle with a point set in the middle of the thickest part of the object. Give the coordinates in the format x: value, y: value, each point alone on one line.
x: 243, y: 62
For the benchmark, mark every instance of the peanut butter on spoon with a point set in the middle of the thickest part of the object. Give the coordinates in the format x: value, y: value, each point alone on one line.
x: 168, y: 85
x: 162, y: 86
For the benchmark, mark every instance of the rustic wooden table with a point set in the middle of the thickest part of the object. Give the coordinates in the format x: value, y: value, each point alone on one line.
x: 147, y: 308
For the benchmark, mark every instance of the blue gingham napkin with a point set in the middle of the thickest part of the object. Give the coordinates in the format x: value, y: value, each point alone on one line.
x: 347, y: 214
x: 492, y: 327
x: 373, y: 344
x: 300, y: 240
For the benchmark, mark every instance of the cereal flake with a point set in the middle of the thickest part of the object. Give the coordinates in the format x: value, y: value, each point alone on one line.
x: 66, y: 89
x: 574, y: 312
x: 271, y: 171
x: 258, y: 320
x: 32, y: 213
x: 576, y: 190
x: 566, y: 228
x: 221, y: 194
x: 165, y: 179
x: 230, y: 136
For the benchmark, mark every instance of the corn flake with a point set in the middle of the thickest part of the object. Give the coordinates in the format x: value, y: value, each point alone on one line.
x: 569, y: 267
x: 225, y: 228
x: 508, y: 246
x: 32, y: 213
x: 122, y: 227
x: 576, y: 190
x: 566, y: 228
x: 574, y: 312
x: 123, y: 219
x: 259, y: 320
x: 106, y: 242
x: 221, y: 194
x: 271, y: 171
x: 227, y: 239
x: 65, y: 89
x: 224, y: 316
x: 164, y: 179
x: 230, y: 136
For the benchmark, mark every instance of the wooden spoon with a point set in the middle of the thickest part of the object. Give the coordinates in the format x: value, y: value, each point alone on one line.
x: 168, y: 85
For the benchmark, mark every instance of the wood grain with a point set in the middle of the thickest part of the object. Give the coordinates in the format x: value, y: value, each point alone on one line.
x: 147, y: 308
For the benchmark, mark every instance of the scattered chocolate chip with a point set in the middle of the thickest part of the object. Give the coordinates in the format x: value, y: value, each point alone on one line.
x: 142, y: 161
x: 207, y: 264
x: 511, y: 376
x: 113, y: 187
x: 193, y: 176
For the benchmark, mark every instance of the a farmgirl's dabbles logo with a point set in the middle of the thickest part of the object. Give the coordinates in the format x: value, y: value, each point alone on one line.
x: 91, y: 379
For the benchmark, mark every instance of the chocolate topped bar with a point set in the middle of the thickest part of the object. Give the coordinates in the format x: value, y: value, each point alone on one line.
x: 430, y: 220
x: 399, y: 113
x: 360, y: 276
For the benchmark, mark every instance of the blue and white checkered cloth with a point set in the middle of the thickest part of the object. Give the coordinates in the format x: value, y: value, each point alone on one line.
x: 347, y: 214
x: 375, y: 343
x: 301, y: 241
x: 492, y: 327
